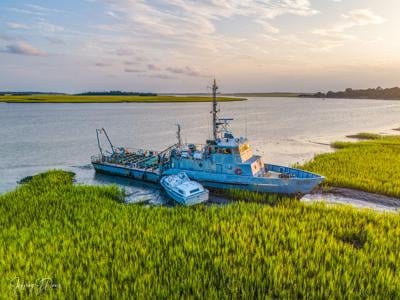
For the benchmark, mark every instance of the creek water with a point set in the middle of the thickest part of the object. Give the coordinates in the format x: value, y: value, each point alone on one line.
x: 39, y: 137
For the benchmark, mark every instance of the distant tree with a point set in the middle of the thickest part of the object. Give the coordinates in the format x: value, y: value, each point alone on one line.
x: 330, y: 94
x: 376, y: 93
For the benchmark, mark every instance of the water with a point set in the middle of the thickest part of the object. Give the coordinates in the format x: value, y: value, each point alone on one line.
x: 38, y: 137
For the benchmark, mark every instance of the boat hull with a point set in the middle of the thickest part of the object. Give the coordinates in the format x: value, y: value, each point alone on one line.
x: 187, y: 201
x: 303, y: 182
x: 138, y: 174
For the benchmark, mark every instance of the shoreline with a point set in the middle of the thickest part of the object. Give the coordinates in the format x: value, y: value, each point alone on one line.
x: 355, y: 198
x: 73, y: 99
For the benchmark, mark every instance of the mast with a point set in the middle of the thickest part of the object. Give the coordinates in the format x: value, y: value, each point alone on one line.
x: 178, y: 135
x: 214, y: 110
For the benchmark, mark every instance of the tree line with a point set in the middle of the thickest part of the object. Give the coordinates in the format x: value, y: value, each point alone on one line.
x: 377, y: 93
x: 116, y: 93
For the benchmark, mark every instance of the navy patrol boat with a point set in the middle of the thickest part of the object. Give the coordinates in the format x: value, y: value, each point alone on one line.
x: 224, y: 162
x: 228, y: 162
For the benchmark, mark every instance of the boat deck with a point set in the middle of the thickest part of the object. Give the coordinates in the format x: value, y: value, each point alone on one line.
x: 131, y: 160
x: 136, y: 159
x: 271, y: 174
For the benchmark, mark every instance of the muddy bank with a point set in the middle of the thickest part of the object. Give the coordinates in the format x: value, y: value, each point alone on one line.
x: 360, y: 199
x: 335, y: 195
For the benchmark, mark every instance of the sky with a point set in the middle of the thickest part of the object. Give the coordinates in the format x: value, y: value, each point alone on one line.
x: 180, y: 45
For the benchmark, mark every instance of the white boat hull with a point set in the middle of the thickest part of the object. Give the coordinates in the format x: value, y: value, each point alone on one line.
x: 189, y: 200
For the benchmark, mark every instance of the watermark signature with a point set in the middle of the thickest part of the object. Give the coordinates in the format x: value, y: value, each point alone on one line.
x: 37, y: 287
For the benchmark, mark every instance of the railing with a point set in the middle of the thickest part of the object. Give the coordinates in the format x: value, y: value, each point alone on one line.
x: 97, y: 158
x: 134, y: 157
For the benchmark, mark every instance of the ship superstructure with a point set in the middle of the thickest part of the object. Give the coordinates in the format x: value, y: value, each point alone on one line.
x: 228, y: 162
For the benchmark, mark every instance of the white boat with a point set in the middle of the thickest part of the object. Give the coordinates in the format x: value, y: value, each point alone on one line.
x: 183, y: 190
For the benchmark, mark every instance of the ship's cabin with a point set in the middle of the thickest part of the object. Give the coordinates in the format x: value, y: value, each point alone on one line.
x: 227, y: 154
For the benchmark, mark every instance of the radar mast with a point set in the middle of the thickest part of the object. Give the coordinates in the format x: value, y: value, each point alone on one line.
x: 215, y: 110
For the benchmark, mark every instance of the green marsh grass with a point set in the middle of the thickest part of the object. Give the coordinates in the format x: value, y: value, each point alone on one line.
x: 372, y: 166
x: 108, y: 99
x: 90, y: 245
x: 365, y: 136
x: 254, y: 197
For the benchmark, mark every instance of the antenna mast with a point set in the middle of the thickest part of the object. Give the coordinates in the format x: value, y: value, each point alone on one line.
x: 214, y: 110
x: 178, y: 135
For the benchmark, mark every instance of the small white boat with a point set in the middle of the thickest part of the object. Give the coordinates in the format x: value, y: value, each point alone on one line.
x: 183, y: 190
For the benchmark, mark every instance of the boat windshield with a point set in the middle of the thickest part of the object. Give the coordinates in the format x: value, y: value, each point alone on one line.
x: 245, y: 152
x: 194, y: 191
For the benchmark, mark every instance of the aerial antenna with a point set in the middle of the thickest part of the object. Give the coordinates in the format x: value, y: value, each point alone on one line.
x: 245, y: 128
x: 245, y: 120
x: 214, y: 109
x: 178, y: 135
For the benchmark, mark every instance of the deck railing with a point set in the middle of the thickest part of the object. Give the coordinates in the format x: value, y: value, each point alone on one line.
x: 97, y: 158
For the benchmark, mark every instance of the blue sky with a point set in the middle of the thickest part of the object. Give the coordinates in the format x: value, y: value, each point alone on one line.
x: 179, y: 45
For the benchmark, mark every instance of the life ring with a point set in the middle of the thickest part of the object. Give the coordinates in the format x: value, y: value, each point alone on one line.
x: 238, y: 171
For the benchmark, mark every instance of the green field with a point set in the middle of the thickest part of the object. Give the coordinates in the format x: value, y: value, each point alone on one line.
x: 58, y: 240
x: 108, y: 99
x: 372, y: 165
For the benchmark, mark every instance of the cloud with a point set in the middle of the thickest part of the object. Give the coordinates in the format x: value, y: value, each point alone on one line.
x: 335, y: 35
x: 23, y: 49
x: 162, y: 76
x: 187, y: 31
x: 48, y: 27
x: 7, y: 38
x: 55, y: 41
x: 13, y: 25
x: 43, y: 9
x: 361, y: 17
x: 128, y: 70
x: 25, y: 11
x: 152, y: 67
x: 101, y: 65
x: 179, y: 23
x: 124, y: 52
x: 112, y: 14
x: 36, y: 10
x: 41, y: 26
x: 268, y: 28
x: 357, y: 17
x: 186, y: 71
x: 138, y: 60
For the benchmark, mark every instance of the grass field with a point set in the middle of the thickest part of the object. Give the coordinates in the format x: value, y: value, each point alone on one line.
x: 58, y: 240
x: 109, y: 99
x: 372, y: 165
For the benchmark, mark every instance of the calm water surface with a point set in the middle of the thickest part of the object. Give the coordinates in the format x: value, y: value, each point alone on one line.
x: 38, y: 137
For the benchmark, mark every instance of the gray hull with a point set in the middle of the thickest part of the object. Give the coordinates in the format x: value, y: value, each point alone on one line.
x: 301, y: 182
x: 138, y: 174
